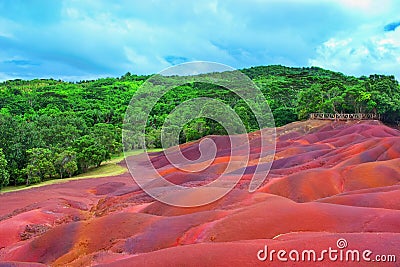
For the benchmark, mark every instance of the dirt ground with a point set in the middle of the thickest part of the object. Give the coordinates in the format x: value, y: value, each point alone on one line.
x: 329, y: 182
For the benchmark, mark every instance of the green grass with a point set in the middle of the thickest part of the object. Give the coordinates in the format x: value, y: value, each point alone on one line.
x: 108, y: 168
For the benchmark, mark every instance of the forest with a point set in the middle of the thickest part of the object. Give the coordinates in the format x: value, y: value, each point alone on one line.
x: 54, y: 129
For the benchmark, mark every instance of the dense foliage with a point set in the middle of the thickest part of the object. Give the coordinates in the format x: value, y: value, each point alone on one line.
x: 4, y: 176
x: 54, y: 129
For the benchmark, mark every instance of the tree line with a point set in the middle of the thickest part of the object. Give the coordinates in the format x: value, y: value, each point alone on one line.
x: 54, y: 129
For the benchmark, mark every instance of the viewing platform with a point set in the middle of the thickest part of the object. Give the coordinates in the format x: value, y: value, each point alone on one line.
x: 344, y: 116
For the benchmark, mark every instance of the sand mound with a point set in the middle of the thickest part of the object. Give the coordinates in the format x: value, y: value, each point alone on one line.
x: 328, y: 181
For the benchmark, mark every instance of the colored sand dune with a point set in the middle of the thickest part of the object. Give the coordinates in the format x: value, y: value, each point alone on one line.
x: 328, y: 181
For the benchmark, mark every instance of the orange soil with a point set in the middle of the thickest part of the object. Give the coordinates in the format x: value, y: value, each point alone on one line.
x: 329, y: 180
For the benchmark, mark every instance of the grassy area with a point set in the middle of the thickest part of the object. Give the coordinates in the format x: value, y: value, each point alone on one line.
x: 108, y: 168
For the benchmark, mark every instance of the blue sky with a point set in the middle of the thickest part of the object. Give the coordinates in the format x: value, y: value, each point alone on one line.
x: 74, y: 40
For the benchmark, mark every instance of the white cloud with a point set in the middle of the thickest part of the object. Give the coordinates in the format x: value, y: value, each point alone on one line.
x: 365, y: 53
x: 369, y: 7
x: 333, y: 43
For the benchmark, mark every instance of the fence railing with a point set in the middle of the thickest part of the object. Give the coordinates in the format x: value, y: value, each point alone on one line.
x: 344, y: 116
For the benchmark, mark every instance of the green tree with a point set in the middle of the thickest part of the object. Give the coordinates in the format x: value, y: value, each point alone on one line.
x: 334, y: 97
x: 385, y: 96
x: 65, y: 162
x: 195, y: 129
x: 310, y: 100
x: 40, y: 165
x: 90, y: 152
x: 4, y: 175
x: 108, y: 136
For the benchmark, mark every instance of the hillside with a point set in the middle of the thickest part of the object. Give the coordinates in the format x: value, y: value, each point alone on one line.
x: 328, y: 181
x: 51, y: 129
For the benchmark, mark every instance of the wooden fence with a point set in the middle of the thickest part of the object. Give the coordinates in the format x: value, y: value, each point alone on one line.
x: 344, y: 116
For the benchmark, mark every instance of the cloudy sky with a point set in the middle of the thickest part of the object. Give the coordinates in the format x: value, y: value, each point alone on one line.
x: 74, y: 40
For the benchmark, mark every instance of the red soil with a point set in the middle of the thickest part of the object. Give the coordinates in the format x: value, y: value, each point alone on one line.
x: 329, y: 180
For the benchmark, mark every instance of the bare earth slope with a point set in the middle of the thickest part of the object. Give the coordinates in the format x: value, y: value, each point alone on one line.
x: 328, y: 181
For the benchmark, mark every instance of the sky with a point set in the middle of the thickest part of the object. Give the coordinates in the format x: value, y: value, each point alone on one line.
x: 78, y: 40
